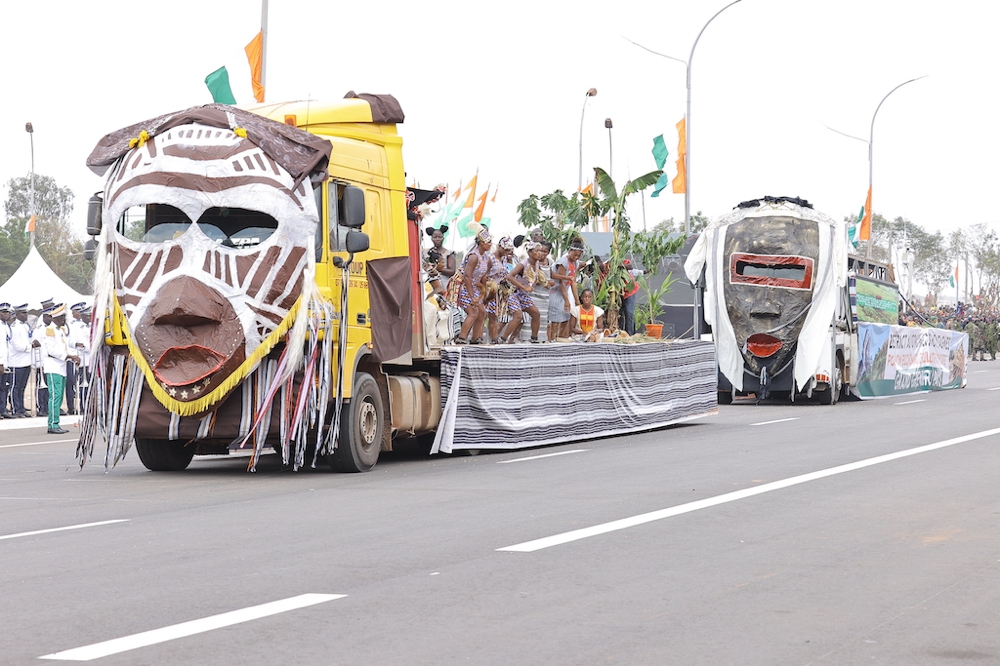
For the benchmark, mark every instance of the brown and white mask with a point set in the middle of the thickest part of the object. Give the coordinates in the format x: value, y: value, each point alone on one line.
x: 226, y: 250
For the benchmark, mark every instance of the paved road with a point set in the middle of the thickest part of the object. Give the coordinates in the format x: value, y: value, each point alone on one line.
x: 769, y: 534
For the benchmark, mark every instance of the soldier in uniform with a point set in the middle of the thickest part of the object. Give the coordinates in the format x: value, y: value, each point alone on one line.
x: 992, y: 338
x: 6, y: 376
x: 20, y: 357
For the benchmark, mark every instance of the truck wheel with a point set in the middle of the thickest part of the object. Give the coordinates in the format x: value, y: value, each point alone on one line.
x: 164, y: 455
x: 361, y: 427
x: 829, y: 395
x: 725, y: 397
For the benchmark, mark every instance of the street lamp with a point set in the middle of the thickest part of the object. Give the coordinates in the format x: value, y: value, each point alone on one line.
x: 687, y: 116
x: 590, y: 93
x: 611, y: 171
x: 31, y: 133
x: 871, y: 141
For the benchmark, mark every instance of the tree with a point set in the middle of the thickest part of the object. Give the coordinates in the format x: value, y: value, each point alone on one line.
x: 698, y: 223
x: 559, y: 217
x: 54, y: 236
x: 612, y: 202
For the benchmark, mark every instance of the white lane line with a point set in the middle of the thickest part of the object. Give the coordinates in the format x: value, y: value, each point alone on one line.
x: 794, y: 418
x: 910, y: 402
x: 146, y: 638
x: 995, y: 388
x: 61, y: 529
x: 566, y: 537
x: 547, y: 455
x: 51, y: 441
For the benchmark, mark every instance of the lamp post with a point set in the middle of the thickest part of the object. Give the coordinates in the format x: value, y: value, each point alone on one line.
x: 590, y: 93
x: 31, y: 133
x: 687, y: 115
x: 611, y: 168
x: 871, y: 141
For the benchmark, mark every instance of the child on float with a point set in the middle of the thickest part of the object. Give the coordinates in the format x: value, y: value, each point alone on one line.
x: 586, y: 318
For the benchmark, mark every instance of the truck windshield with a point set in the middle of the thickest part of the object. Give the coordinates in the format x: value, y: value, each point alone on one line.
x: 232, y: 227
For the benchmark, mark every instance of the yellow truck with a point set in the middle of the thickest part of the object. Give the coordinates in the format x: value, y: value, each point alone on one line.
x: 223, y: 241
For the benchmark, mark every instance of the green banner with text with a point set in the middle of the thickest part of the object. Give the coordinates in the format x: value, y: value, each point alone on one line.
x: 896, y: 360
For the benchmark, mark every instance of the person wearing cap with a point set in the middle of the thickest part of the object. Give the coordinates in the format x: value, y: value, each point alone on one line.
x: 79, y: 342
x: 38, y: 360
x: 6, y: 376
x: 55, y: 354
x: 72, y: 333
x: 20, y: 357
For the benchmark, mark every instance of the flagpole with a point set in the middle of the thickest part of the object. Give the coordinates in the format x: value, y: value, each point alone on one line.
x: 31, y: 133
x: 263, y: 44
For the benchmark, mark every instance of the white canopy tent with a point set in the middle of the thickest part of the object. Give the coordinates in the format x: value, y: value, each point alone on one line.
x: 34, y: 281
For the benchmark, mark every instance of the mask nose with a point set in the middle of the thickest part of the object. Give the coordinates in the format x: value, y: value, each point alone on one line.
x: 765, y: 304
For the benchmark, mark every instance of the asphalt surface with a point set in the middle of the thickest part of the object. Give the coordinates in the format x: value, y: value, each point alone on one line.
x: 762, y: 543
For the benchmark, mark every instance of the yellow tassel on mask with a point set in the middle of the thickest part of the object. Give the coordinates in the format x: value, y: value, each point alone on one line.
x: 143, y: 138
x: 240, y: 132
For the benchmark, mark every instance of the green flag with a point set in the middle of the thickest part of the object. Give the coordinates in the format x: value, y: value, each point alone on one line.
x: 661, y: 184
x: 660, y: 152
x: 218, y: 85
x: 463, y: 226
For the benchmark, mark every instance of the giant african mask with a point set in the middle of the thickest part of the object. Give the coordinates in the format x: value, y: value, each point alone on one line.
x: 771, y: 264
x: 226, y: 255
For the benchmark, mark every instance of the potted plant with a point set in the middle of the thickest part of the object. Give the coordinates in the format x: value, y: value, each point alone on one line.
x: 647, y: 312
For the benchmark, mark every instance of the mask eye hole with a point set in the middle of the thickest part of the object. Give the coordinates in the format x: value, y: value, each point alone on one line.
x: 230, y: 227
x: 240, y: 227
x: 788, y: 271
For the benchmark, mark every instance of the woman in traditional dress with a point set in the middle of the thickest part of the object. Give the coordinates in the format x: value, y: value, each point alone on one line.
x: 563, y: 295
x: 498, y: 307
x: 524, y: 277
x: 472, y: 293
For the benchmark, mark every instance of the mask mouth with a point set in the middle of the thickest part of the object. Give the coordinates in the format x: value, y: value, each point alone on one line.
x: 181, y: 366
x: 763, y: 345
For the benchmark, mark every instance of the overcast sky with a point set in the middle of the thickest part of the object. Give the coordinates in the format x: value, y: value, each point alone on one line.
x: 499, y: 87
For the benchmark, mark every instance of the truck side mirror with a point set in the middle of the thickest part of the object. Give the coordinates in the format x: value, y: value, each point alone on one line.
x: 353, y: 207
x: 94, y: 207
x: 357, y: 241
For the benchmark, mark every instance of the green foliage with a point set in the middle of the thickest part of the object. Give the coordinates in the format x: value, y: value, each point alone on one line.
x: 653, y: 246
x: 559, y: 217
x: 653, y: 307
x: 612, y: 202
x: 55, y: 239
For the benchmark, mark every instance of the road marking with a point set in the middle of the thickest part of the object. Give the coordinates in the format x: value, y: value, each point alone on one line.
x: 566, y: 537
x: 794, y: 418
x: 910, y: 402
x: 51, y: 441
x: 547, y: 455
x: 146, y: 638
x: 61, y: 529
x: 995, y: 388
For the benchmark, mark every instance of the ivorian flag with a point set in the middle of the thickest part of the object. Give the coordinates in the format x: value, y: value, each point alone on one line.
x: 29, y: 225
x: 218, y: 85
x: 866, y: 221
x: 255, y: 56
x: 472, y: 192
x: 953, y: 279
x: 482, y: 205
